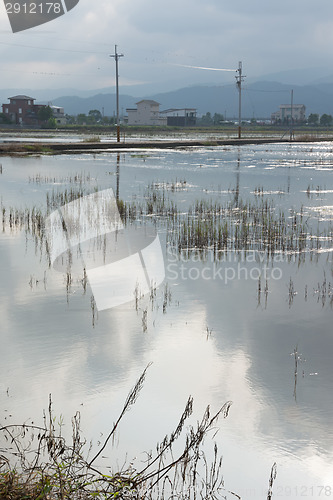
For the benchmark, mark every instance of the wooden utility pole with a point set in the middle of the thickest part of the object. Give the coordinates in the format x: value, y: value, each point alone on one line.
x: 116, y: 58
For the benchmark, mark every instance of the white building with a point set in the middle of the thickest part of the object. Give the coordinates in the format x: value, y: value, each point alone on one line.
x: 147, y: 112
x: 59, y: 115
x: 285, y: 111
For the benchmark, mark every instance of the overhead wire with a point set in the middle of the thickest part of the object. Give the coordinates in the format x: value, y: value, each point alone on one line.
x: 53, y: 49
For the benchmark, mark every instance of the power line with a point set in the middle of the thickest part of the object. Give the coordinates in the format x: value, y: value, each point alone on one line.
x: 53, y: 49
x: 202, y: 67
x: 52, y: 73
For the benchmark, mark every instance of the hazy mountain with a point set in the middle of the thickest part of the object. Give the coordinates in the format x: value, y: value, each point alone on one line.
x: 259, y: 99
x: 303, y: 76
x: 46, y: 94
x: 105, y: 103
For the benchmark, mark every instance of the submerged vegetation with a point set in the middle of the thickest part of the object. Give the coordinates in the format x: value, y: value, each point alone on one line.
x: 207, y: 224
x: 205, y: 227
x: 235, y: 225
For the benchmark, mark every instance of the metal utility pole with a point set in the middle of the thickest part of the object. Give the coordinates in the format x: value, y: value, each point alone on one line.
x: 239, y: 80
x: 116, y: 58
x: 291, y: 115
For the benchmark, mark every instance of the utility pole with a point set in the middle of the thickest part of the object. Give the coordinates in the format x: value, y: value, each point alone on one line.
x: 239, y: 80
x: 291, y: 115
x: 116, y: 58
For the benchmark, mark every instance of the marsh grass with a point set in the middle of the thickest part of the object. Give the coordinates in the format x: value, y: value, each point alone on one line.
x: 34, y: 149
x: 36, y: 462
x: 324, y: 291
x: 308, y: 137
x: 93, y: 139
x: 59, y: 197
x: 206, y: 224
x: 77, y: 178
x: 233, y: 225
x: 271, y: 481
x: 206, y: 228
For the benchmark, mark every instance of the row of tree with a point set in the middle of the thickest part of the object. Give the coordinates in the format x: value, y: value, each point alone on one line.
x: 45, y: 117
x: 208, y: 119
x: 324, y: 120
x: 93, y: 117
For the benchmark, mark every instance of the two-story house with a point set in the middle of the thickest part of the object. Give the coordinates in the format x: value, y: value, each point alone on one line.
x: 22, y: 110
x: 297, y: 111
x: 147, y: 112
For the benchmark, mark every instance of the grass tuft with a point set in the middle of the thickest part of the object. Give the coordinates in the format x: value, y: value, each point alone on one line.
x: 36, y: 462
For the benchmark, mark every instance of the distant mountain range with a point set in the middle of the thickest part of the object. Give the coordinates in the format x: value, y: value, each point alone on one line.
x: 259, y: 99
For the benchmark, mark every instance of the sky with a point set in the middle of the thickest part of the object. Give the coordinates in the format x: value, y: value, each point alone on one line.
x: 160, y: 39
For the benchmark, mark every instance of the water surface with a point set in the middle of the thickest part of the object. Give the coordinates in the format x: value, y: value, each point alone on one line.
x: 211, y: 330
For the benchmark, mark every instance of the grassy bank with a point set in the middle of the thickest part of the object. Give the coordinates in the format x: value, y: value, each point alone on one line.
x: 129, y: 130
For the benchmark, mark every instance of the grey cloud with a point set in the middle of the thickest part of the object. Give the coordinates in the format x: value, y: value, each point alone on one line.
x: 267, y: 37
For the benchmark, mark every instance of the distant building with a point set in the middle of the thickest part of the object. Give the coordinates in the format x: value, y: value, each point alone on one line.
x: 180, y: 117
x: 147, y: 112
x: 59, y: 115
x: 284, y: 113
x: 21, y: 110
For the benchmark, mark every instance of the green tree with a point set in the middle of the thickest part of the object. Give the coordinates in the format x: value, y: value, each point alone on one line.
x: 326, y: 120
x: 207, y: 119
x: 70, y: 119
x: 4, y: 118
x: 44, y: 114
x: 51, y: 123
x: 107, y: 120
x: 95, y: 114
x: 313, y: 119
x: 82, y: 119
x: 218, y: 119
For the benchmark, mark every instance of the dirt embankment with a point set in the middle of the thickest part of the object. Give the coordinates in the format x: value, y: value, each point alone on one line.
x: 19, y: 148
x: 7, y: 148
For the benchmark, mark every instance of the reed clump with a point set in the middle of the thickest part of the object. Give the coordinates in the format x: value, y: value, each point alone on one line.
x: 92, y: 139
x: 232, y: 225
x: 77, y: 178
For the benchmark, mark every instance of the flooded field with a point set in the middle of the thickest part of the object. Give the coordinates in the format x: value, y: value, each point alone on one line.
x: 244, y: 313
x: 151, y: 134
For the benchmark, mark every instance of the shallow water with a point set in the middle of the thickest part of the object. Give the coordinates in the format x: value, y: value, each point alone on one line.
x: 217, y: 336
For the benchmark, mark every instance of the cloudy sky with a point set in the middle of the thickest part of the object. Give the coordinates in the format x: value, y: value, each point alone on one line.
x: 159, y: 37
